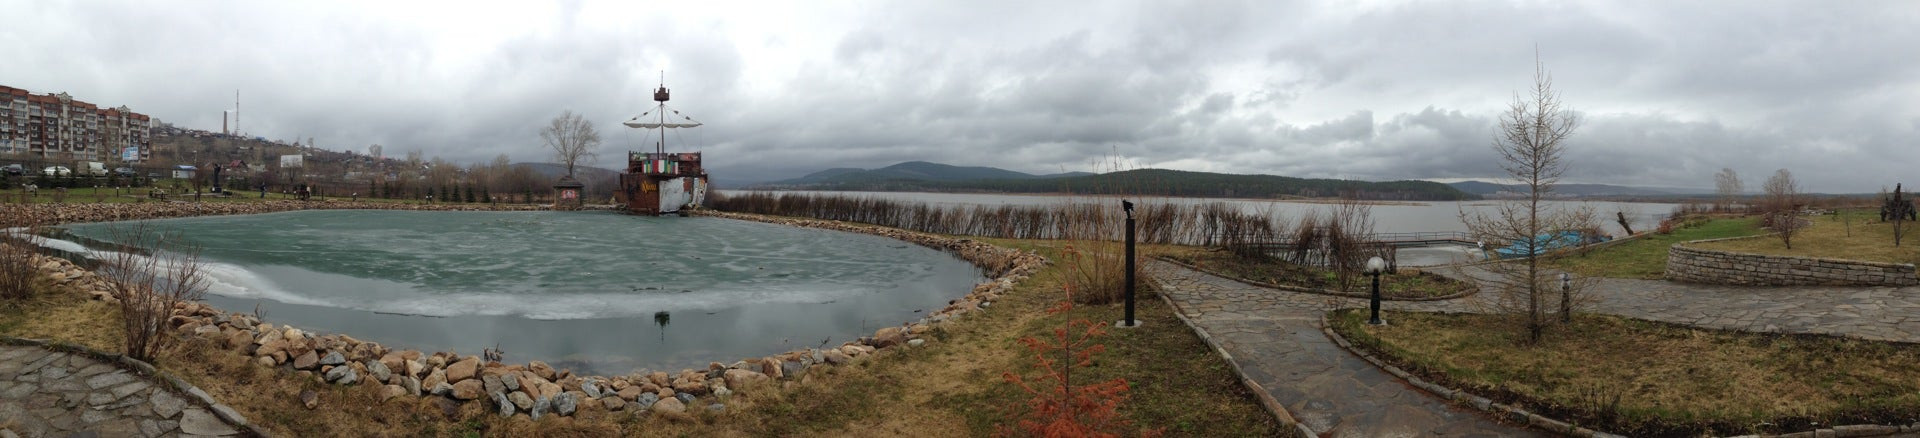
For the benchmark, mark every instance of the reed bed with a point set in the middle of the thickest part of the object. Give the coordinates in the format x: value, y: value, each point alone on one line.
x: 1206, y: 224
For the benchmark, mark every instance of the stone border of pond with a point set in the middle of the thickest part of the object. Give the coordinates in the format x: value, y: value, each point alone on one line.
x: 535, y: 388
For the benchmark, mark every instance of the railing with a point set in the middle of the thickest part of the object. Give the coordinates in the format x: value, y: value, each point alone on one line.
x: 1392, y: 239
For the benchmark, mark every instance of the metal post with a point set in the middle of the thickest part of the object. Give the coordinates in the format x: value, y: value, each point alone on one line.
x: 1130, y: 269
x: 1375, y: 302
x: 1566, y: 297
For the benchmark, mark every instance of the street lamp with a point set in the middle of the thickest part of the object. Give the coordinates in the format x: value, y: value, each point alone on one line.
x: 1129, y: 322
x: 1374, y: 267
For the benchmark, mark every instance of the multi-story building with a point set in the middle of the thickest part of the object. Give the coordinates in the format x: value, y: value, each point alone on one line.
x: 59, y: 127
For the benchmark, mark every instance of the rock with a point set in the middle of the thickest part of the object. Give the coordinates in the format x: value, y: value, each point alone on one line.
x: 342, y: 376
x: 629, y: 393
x: 390, y: 391
x: 294, y: 334
x: 541, y: 369
x: 393, y: 362
x: 684, y: 397
x: 239, y: 339
x: 550, y: 390
x: 437, y: 377
x: 792, y: 368
x: 564, y: 404
x: 645, y: 400
x: 888, y: 337
x: 442, y: 389
x: 540, y: 407
x: 412, y: 384
x: 511, y: 381
x: 306, y: 361
x: 333, y: 358
x: 659, y: 378
x: 744, y: 379
x: 670, y: 406
x: 592, y: 390
x: 613, y: 404
x: 468, y: 389
x: 837, y: 358
x: 414, y: 368
x: 264, y: 361
x: 722, y: 392
x: 716, y: 407
x: 463, y: 370
x: 916, y: 342
x: 521, y: 400
x: 506, y: 406
x: 379, y: 371
x: 309, y: 399
x: 492, y: 384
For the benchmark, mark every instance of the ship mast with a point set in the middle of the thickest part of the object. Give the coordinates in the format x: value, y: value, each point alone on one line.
x: 660, y: 95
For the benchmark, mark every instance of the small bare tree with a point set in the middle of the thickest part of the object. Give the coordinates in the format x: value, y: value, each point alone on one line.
x: 1727, y: 183
x: 572, y: 138
x: 1531, y: 140
x: 1783, y: 206
x: 18, y: 274
x: 152, y: 273
x: 1348, y: 231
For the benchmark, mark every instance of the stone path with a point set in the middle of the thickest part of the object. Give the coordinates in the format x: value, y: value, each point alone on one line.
x: 51, y: 393
x: 1273, y: 336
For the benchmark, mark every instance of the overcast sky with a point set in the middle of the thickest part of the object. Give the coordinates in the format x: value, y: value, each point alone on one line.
x: 1670, y: 91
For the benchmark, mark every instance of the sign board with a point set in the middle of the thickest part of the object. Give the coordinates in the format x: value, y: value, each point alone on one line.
x: 569, y: 194
x: 131, y: 154
x: 287, y: 161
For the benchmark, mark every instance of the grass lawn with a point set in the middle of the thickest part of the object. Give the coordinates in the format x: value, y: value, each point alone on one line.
x: 952, y: 386
x: 1641, y: 378
x: 1409, y: 283
x: 1646, y: 257
x: 1851, y: 234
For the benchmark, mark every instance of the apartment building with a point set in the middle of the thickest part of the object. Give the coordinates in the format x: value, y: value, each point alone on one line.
x: 61, y: 128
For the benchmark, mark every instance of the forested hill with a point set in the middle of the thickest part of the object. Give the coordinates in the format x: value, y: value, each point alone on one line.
x: 1163, y: 182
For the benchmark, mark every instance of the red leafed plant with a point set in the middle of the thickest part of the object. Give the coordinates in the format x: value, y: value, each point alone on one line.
x: 1059, y: 408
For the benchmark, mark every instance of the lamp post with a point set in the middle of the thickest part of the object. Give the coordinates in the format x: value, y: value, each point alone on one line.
x: 1129, y: 322
x: 1566, y: 297
x: 1374, y: 267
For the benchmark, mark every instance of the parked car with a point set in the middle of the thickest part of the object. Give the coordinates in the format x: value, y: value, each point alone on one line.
x: 124, y: 171
x: 14, y: 169
x: 57, y: 171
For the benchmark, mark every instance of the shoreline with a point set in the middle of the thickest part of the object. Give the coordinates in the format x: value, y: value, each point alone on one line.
x: 340, y: 359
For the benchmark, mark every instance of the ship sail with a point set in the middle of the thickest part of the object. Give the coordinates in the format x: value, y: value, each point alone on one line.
x: 654, y: 125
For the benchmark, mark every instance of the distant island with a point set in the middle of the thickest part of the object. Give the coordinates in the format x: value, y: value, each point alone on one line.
x: 923, y: 176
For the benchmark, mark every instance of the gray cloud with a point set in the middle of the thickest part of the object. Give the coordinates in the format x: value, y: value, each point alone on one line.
x: 1670, y: 92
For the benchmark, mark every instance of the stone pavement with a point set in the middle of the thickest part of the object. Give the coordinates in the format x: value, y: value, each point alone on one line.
x: 52, y: 393
x: 1273, y: 335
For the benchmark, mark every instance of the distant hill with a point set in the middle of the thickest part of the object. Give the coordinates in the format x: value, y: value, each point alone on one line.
x: 1484, y: 188
x: 924, y: 176
x: 908, y: 171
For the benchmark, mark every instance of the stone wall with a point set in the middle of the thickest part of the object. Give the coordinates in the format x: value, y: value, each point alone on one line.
x: 1698, y: 265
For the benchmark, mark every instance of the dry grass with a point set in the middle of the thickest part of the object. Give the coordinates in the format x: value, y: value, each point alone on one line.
x: 1851, y: 235
x: 1646, y: 378
x: 1408, y: 283
x: 950, y: 387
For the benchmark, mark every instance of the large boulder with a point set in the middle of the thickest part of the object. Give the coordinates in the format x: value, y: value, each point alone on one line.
x: 333, y: 358
x: 541, y: 369
x: 463, y: 370
x: 669, y: 406
x: 435, y: 378
x: 540, y: 407
x: 565, y: 404
x: 506, y: 406
x: 888, y: 337
x: 390, y: 391
x: 469, y: 389
x: 613, y: 403
x: 379, y: 371
x: 342, y: 376
x: 492, y: 384
x: 521, y: 400
x: 742, y: 379
x: 393, y: 362
x: 306, y: 361
x: 645, y: 400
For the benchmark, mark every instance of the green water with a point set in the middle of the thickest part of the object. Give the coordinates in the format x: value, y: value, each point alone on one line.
x: 600, y: 292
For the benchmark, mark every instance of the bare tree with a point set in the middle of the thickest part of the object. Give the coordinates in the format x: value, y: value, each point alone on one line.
x: 1783, y: 206
x: 572, y: 138
x: 1727, y: 183
x: 1530, y: 141
x: 152, y: 273
x: 1348, y: 230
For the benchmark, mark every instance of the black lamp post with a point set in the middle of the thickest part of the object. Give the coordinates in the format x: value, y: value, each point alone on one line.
x: 1128, y: 207
x: 1374, y: 267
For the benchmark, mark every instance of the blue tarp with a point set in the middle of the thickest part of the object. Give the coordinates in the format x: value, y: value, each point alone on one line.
x: 1546, y: 242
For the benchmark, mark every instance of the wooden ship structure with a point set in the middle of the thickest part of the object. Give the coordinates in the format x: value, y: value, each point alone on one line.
x: 660, y: 182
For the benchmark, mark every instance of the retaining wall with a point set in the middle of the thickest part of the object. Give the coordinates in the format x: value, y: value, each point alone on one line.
x: 1698, y: 265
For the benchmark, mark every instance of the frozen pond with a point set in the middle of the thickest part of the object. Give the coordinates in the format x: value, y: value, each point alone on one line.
x: 596, y: 291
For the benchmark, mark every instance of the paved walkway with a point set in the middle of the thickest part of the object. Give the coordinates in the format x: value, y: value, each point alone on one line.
x: 1274, y: 336
x: 50, y: 393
